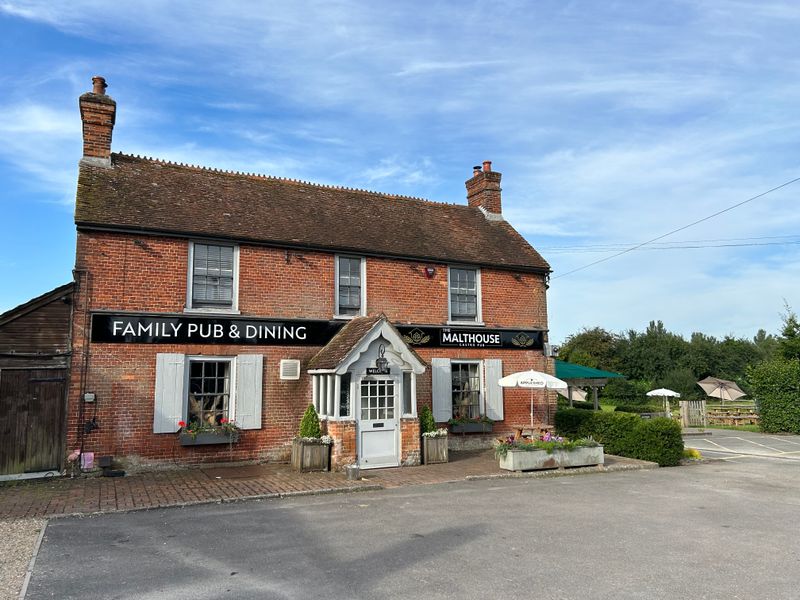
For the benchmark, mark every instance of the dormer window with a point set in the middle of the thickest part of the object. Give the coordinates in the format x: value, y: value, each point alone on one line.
x: 350, y: 286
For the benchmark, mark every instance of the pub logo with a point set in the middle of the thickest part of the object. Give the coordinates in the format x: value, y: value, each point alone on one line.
x: 416, y: 337
x: 522, y: 340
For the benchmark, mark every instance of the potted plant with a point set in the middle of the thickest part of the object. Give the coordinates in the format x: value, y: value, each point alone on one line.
x: 434, y: 441
x: 311, y: 451
x: 547, y: 452
x: 471, y: 425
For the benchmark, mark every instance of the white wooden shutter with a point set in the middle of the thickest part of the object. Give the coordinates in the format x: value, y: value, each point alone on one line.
x: 442, y: 384
x: 494, y: 393
x: 249, y: 370
x: 170, y: 377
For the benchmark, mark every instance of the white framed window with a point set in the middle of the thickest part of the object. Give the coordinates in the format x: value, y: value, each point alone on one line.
x: 466, y: 389
x: 464, y: 295
x: 350, y: 294
x: 210, y: 391
x: 213, y: 280
x: 207, y: 389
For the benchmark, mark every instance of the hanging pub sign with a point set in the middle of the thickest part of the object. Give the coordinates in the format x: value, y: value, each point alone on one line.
x: 452, y: 337
x: 147, y: 329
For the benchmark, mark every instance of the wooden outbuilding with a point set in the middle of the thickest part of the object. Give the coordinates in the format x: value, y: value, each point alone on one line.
x: 34, y: 370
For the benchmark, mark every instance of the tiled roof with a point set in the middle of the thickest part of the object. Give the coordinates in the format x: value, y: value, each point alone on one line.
x: 335, y: 351
x: 155, y: 196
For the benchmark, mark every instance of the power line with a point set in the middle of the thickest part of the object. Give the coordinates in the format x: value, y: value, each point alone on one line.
x: 704, y: 241
x: 674, y: 231
x: 686, y: 246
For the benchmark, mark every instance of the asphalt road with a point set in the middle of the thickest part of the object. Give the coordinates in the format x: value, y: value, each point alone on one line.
x: 741, y: 446
x: 714, y: 530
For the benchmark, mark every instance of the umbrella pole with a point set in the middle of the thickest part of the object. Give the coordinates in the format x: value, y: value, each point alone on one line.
x: 531, y: 408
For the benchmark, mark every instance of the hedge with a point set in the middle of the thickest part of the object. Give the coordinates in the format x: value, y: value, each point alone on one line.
x: 775, y: 385
x: 625, y: 434
x: 639, y: 408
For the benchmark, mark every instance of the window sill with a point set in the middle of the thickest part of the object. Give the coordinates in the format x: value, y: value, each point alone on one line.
x: 211, y: 311
x: 345, y: 317
x: 468, y: 323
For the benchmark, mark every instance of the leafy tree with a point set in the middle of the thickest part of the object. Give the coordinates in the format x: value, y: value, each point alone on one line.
x: 789, y: 342
x: 596, y: 348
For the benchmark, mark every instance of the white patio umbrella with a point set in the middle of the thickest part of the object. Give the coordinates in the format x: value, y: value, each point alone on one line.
x: 577, y: 394
x: 666, y: 395
x: 535, y: 380
x: 721, y: 388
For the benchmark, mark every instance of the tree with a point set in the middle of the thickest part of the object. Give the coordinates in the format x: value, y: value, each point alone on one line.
x: 596, y: 348
x: 789, y: 342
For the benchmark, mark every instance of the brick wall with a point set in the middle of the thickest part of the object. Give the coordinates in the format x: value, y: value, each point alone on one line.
x: 124, y: 272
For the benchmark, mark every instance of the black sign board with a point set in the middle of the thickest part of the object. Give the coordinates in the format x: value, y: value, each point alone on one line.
x: 186, y: 329
x: 146, y: 329
x: 377, y: 370
x: 456, y: 337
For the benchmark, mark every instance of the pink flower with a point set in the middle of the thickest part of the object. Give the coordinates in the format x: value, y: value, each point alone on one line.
x: 181, y: 423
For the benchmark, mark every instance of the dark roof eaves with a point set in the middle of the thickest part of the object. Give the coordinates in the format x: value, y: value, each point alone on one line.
x: 88, y: 225
x: 34, y: 303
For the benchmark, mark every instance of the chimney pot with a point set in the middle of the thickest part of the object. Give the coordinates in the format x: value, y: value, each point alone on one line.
x: 476, y: 170
x: 487, y: 166
x: 99, y: 85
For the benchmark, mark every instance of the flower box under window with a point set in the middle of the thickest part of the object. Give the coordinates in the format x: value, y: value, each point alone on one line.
x: 206, y: 438
x: 478, y: 427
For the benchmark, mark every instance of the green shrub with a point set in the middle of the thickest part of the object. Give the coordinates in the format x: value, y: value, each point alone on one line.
x: 426, y: 421
x: 625, y: 434
x: 611, y: 430
x: 568, y: 421
x: 309, y: 425
x: 657, y: 440
x: 639, y: 408
x: 775, y: 386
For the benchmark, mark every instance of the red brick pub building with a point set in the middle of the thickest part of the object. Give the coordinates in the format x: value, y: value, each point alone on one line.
x: 204, y: 295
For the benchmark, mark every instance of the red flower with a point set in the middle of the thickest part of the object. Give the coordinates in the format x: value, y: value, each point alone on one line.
x: 181, y: 423
x: 223, y: 420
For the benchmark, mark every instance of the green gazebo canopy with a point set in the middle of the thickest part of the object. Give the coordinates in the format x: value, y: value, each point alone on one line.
x: 579, y: 376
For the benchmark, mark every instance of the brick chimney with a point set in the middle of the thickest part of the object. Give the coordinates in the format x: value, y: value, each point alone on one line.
x: 483, y: 190
x: 98, y: 113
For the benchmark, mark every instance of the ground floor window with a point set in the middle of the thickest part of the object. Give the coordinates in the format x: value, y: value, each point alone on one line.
x: 209, y: 391
x: 466, y: 390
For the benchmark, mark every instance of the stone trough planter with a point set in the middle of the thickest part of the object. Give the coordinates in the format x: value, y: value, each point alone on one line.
x: 533, y: 460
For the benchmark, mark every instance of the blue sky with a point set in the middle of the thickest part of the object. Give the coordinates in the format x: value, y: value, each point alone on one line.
x: 612, y: 123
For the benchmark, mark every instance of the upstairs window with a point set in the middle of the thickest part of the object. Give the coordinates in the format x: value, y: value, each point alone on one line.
x: 464, y: 295
x: 213, y: 276
x: 349, y: 286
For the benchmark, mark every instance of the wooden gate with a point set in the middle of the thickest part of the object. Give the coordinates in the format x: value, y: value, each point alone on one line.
x: 32, y: 404
x: 693, y: 413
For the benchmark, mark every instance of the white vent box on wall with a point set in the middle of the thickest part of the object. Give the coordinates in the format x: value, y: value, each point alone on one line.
x: 290, y: 369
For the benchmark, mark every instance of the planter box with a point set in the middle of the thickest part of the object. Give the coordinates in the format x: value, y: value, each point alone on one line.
x: 208, y: 437
x: 310, y: 455
x: 531, y: 460
x: 471, y: 428
x: 434, y: 450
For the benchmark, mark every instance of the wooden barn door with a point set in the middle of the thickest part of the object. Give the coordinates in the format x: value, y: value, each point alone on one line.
x: 31, y: 420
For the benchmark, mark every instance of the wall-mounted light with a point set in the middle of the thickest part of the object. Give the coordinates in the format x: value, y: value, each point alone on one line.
x: 430, y: 272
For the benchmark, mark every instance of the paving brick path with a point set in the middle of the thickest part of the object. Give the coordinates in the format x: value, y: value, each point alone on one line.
x: 86, y: 495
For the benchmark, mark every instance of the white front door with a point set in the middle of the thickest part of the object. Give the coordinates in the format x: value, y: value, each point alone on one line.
x: 378, y: 423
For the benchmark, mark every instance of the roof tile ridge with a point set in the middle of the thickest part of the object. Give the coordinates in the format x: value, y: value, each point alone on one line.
x: 254, y: 175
